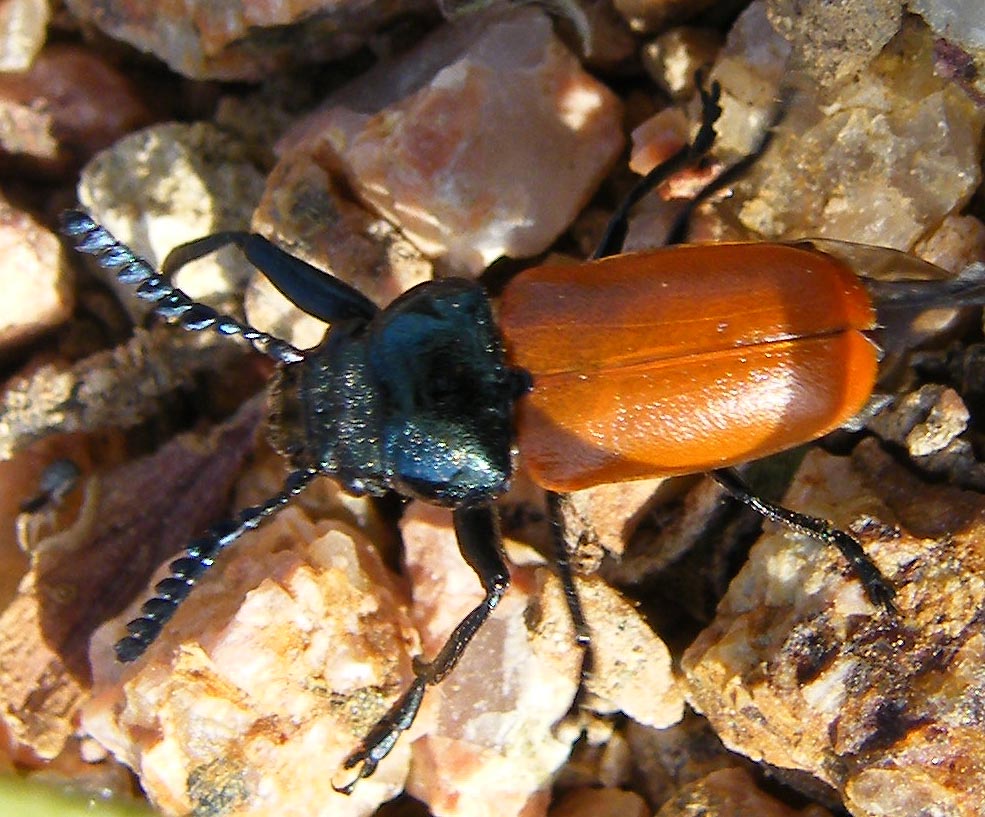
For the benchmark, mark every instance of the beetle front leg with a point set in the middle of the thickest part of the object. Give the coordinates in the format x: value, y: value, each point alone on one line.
x: 481, y: 544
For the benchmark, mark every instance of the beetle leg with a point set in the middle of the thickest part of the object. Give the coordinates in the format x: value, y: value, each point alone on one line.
x: 481, y: 544
x: 562, y: 559
x: 199, y: 556
x: 615, y: 231
x: 313, y: 290
x: 678, y: 230
x: 169, y: 302
x: 877, y: 587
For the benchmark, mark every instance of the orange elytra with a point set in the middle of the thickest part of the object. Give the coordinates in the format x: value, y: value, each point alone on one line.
x: 684, y: 359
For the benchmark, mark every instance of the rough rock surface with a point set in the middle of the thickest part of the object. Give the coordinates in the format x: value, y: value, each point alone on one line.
x: 62, y: 108
x: 801, y: 671
x: 125, y: 522
x: 35, y: 280
x: 292, y: 647
x: 417, y: 151
x: 172, y: 183
x: 240, y: 40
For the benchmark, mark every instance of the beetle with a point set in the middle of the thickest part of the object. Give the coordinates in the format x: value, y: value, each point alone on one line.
x: 674, y: 361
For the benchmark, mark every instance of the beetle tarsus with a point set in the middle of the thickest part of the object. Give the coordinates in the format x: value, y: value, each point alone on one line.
x: 383, y: 737
x: 615, y: 231
x: 727, y: 177
x: 878, y: 588
x: 481, y: 544
x: 711, y: 111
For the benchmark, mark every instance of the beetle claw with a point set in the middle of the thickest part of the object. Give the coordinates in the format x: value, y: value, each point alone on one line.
x: 881, y: 593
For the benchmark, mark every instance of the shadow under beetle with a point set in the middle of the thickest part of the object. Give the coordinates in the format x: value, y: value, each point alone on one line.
x: 427, y: 397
